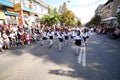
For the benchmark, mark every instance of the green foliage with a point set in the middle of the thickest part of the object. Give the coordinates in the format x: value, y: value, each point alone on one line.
x: 94, y: 21
x: 68, y: 18
x: 51, y: 18
x: 79, y: 23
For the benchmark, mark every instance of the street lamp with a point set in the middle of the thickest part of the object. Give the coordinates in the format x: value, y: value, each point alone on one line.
x: 66, y: 2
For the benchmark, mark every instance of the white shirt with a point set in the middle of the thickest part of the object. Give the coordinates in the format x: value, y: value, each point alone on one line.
x: 78, y: 37
x: 73, y: 33
x: 44, y: 34
x: 51, y: 34
x: 60, y: 36
x: 12, y: 35
x: 65, y: 34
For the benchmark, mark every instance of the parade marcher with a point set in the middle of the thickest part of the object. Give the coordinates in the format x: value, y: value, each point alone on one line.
x: 44, y: 37
x: 51, y: 36
x: 73, y: 34
x: 85, y: 35
x: 66, y: 37
x: 60, y: 37
x: 78, y: 41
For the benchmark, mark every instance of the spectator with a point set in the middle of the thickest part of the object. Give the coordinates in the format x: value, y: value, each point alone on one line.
x: 6, y: 40
x: 1, y: 44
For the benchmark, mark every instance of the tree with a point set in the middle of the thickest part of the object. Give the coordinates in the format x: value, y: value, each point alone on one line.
x: 79, y: 22
x: 51, y: 18
x: 96, y: 20
x: 67, y: 18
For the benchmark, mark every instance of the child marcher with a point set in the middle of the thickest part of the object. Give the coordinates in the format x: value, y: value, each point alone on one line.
x: 44, y: 37
x: 51, y: 36
x: 85, y: 35
x: 78, y: 41
x: 60, y: 37
x: 66, y: 37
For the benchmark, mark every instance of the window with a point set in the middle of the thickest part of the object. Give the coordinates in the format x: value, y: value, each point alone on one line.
x: 26, y: 3
x: 34, y: 6
x: 10, y: 1
x: 41, y: 10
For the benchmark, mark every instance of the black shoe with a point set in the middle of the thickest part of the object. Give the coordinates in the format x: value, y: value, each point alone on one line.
x: 59, y: 50
x: 76, y: 54
x: 41, y: 44
x: 50, y: 46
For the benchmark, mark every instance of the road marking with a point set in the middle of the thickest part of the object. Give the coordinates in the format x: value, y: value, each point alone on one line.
x: 82, y: 56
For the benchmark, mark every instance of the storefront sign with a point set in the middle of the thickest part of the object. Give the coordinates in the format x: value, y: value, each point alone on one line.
x: 24, y: 12
x: 17, y: 7
x: 10, y: 9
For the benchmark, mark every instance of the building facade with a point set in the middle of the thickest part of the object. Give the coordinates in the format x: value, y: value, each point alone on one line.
x: 98, y: 11
x: 32, y: 10
x: 109, y: 12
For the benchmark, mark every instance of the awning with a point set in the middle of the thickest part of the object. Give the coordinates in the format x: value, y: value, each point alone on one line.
x: 110, y: 18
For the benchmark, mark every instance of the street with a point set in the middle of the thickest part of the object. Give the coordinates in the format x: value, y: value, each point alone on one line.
x: 34, y: 62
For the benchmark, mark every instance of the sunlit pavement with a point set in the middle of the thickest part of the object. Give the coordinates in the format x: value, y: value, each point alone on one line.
x: 100, y: 61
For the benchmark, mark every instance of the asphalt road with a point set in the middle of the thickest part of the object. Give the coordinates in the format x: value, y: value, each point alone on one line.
x: 100, y: 61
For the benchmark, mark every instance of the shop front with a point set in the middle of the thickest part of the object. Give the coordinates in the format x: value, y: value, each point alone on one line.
x: 2, y: 15
x: 110, y: 21
x: 12, y: 16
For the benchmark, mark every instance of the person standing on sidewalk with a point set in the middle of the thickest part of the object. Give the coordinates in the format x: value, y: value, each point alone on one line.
x: 1, y: 44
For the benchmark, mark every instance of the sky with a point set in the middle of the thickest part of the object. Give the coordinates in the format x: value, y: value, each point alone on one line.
x: 83, y: 9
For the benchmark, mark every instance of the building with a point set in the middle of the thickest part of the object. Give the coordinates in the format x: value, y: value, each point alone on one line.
x: 32, y: 10
x: 109, y: 12
x: 98, y: 11
x: 39, y: 9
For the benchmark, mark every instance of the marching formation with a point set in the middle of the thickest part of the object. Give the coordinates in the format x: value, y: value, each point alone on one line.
x: 64, y: 36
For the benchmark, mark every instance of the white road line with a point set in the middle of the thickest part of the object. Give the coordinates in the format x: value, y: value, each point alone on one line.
x: 84, y: 57
x: 80, y: 55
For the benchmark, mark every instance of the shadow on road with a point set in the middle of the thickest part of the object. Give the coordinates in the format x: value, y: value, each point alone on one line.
x: 102, y: 64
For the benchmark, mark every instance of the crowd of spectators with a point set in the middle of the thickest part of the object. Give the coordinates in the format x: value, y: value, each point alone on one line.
x: 111, y: 32
x: 13, y: 35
